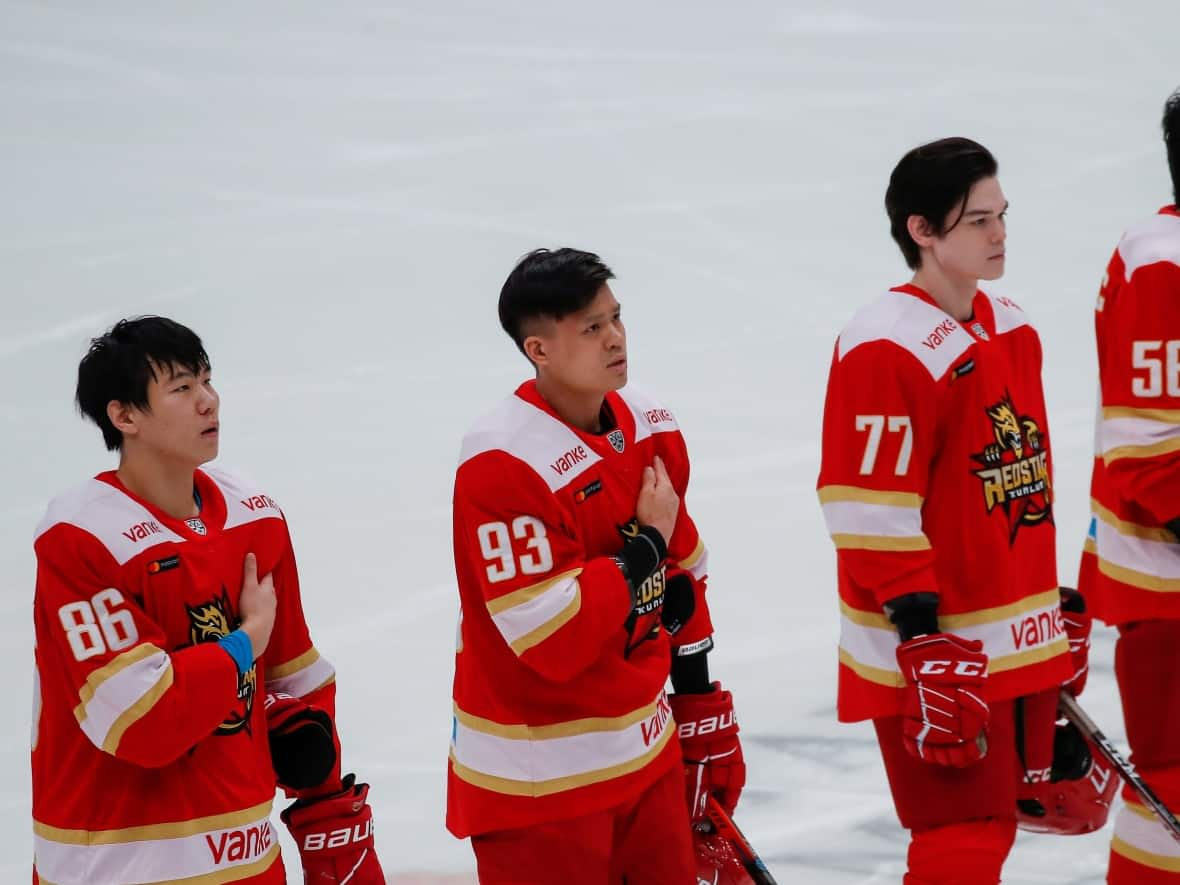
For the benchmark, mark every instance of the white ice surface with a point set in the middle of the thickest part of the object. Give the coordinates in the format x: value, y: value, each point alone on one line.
x: 332, y: 194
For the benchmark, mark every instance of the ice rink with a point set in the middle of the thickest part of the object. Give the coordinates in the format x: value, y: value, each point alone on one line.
x: 332, y: 195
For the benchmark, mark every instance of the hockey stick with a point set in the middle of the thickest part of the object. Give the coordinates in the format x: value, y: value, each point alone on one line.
x: 1076, y: 715
x: 724, y: 826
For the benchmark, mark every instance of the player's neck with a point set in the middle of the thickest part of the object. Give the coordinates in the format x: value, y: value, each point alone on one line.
x: 954, y: 295
x: 167, y: 486
x: 576, y: 408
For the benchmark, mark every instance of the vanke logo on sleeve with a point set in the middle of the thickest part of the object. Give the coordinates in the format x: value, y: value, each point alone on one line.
x: 940, y: 333
x: 566, y: 462
x: 259, y: 502
x: 142, y: 530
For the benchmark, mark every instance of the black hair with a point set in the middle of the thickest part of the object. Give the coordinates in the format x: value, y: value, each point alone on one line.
x: 930, y: 181
x: 549, y: 283
x: 1171, y: 127
x: 122, y: 362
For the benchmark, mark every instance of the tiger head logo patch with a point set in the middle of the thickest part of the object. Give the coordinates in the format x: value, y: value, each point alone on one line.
x: 1015, y: 468
x: 209, y: 622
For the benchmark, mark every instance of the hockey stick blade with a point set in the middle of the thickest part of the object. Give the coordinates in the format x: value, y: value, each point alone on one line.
x: 1075, y: 714
x: 725, y: 827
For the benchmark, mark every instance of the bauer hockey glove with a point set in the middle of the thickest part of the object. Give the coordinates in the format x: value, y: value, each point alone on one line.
x: 713, y: 761
x: 334, y: 835
x: 302, y: 742
x: 1077, y: 622
x: 944, y: 720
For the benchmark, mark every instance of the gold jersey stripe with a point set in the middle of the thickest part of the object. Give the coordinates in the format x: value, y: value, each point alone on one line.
x: 527, y: 594
x: 137, y: 711
x: 890, y: 678
x: 1045, y: 652
x: 1164, y: 416
x: 557, y: 729
x: 113, y: 667
x: 1145, y: 858
x: 305, y: 660
x: 889, y: 543
x: 1142, y: 810
x: 1142, y: 580
x: 1130, y: 529
x: 967, y: 619
x: 1001, y: 612
x: 511, y: 787
x: 693, y: 558
x: 833, y: 494
x: 1090, y: 546
x: 555, y: 623
x: 1118, y: 453
x: 175, y: 830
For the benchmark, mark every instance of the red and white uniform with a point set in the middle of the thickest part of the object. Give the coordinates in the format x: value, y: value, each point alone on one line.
x: 150, y: 758
x: 937, y: 477
x: 1130, y: 571
x: 553, y: 718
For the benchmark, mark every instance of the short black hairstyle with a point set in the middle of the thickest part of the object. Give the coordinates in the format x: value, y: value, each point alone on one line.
x: 930, y: 181
x: 1171, y: 127
x: 122, y: 362
x: 549, y: 283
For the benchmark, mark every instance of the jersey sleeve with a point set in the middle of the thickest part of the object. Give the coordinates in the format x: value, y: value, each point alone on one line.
x: 104, y: 657
x: 553, y: 606
x: 1139, y: 356
x: 293, y: 665
x: 686, y: 550
x: 878, y: 441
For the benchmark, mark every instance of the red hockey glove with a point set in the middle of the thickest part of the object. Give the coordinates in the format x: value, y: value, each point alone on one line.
x: 335, y: 837
x: 945, y: 714
x: 1077, y: 628
x: 302, y: 743
x: 713, y: 761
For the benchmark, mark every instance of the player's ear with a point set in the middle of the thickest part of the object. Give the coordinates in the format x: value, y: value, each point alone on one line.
x: 122, y: 416
x: 536, y: 350
x: 920, y: 230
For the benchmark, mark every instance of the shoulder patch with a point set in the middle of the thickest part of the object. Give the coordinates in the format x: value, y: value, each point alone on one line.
x: 929, y: 334
x: 1150, y: 242
x: 245, y: 501
x: 1009, y: 315
x: 650, y: 416
x: 122, y: 525
x: 553, y: 451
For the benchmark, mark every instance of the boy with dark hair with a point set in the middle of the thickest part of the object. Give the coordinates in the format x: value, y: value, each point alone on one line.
x: 579, y: 574
x: 936, y: 488
x: 1129, y: 566
x: 155, y: 756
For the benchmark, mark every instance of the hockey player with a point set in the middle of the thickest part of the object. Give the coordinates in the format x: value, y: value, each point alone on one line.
x: 1131, y: 564
x: 936, y: 485
x: 582, y: 582
x: 176, y: 681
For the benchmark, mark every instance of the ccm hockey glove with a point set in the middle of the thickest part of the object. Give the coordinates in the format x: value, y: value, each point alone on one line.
x: 713, y: 761
x: 335, y: 837
x: 944, y: 720
x: 1077, y: 629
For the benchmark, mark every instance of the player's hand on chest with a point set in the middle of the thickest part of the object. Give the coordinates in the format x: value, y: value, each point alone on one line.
x: 191, y: 590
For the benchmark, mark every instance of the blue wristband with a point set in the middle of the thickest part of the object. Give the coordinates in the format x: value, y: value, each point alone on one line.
x: 238, y: 646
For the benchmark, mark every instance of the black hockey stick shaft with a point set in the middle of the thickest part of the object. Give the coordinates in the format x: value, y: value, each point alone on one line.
x: 1075, y: 714
x: 725, y: 827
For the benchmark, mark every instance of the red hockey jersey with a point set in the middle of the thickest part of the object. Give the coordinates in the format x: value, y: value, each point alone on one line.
x: 553, y: 716
x: 150, y: 757
x: 1131, y: 564
x: 936, y: 477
